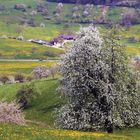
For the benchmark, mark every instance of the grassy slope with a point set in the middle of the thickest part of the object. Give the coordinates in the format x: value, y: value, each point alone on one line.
x: 42, y: 110
x: 132, y: 48
x: 47, y: 33
x: 10, y: 48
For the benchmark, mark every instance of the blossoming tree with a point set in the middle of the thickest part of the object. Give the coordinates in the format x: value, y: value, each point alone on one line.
x: 101, y: 90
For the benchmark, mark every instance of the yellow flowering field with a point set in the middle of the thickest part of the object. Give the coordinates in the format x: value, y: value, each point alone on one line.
x: 14, y: 132
x: 25, y: 68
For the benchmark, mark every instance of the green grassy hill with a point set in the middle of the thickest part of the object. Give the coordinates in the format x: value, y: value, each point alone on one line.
x: 14, y: 49
x: 42, y: 116
x: 11, y: 22
x: 42, y: 108
x: 47, y: 33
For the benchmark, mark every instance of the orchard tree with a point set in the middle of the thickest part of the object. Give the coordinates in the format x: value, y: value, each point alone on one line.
x: 40, y: 72
x: 101, y: 90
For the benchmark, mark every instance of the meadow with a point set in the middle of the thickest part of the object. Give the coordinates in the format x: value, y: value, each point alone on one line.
x: 36, y: 133
x: 10, y: 48
x: 42, y: 113
x: 14, y: 49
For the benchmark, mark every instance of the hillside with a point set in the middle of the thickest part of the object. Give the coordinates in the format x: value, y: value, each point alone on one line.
x: 41, y: 112
x: 33, y: 24
x: 43, y: 107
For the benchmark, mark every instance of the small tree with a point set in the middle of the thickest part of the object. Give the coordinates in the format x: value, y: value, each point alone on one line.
x: 10, y: 113
x: 102, y: 93
x: 41, y: 72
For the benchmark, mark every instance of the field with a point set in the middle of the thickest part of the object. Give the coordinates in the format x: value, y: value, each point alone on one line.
x: 10, y: 48
x: 24, y: 68
x: 15, y: 132
x: 41, y: 112
x: 14, y: 49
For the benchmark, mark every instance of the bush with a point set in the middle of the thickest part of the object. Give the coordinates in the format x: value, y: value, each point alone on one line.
x: 25, y: 94
x: 129, y: 19
x: 10, y: 113
x: 4, y: 79
x: 19, y: 78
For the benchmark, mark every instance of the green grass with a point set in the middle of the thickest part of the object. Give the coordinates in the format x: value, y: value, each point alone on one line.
x: 10, y: 48
x: 14, y: 132
x: 132, y: 48
x: 41, y: 113
x: 113, y: 13
x: 42, y: 108
x: 17, y: 49
x: 28, y: 32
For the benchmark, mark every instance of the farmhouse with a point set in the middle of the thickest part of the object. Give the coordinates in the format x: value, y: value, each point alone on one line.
x: 41, y: 42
